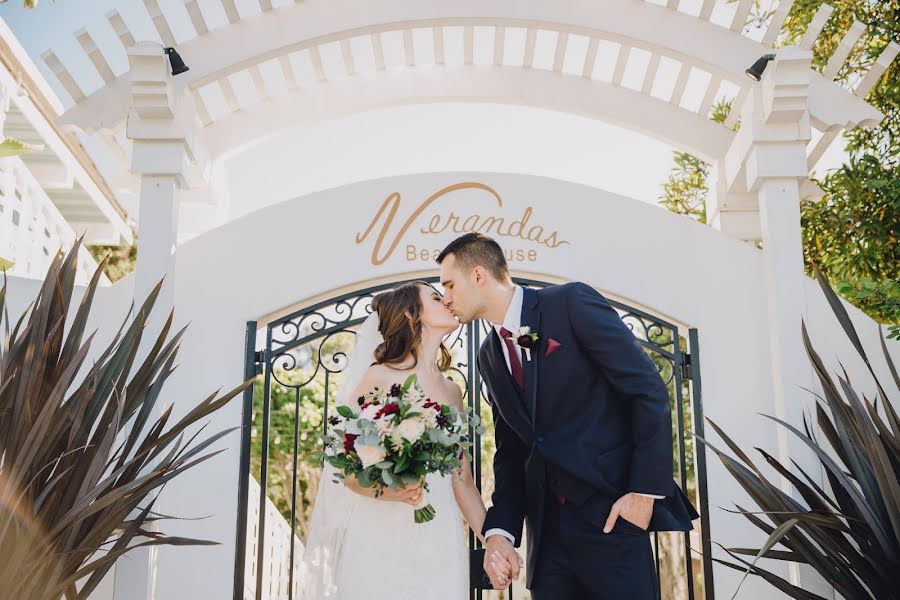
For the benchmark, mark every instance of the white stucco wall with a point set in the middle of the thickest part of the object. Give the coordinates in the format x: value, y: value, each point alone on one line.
x: 641, y: 254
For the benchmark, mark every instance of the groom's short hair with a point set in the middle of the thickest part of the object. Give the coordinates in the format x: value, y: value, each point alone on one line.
x: 476, y: 249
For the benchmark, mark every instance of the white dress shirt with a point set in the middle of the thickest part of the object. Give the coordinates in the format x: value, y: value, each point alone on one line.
x: 512, y: 321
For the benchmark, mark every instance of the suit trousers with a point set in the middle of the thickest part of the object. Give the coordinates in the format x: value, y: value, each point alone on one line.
x: 577, y: 561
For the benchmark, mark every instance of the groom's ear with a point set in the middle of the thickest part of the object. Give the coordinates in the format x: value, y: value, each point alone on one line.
x: 480, y: 275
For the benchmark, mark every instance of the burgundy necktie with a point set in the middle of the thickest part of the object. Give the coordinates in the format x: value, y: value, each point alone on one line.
x: 515, y: 364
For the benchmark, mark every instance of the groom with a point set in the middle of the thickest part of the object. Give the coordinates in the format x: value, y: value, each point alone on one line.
x: 583, y: 432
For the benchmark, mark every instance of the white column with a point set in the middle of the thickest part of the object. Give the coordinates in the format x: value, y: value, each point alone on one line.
x: 731, y: 212
x: 157, y: 235
x: 774, y: 166
x: 160, y: 125
x: 779, y: 208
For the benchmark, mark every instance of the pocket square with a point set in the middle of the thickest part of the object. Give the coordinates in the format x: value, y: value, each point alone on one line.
x: 552, y: 346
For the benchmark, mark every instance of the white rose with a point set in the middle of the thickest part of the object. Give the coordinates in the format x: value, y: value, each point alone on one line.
x: 370, y: 455
x: 411, y: 429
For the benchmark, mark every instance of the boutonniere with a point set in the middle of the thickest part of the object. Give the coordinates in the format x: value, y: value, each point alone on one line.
x: 526, y: 340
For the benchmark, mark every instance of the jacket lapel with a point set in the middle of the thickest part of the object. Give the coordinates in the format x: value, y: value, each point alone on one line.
x: 501, y: 375
x: 531, y: 317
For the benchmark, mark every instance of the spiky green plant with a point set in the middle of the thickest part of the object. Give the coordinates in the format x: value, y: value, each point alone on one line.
x: 82, y: 460
x: 849, y: 534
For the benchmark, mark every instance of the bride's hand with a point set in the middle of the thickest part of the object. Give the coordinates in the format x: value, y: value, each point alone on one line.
x: 411, y: 494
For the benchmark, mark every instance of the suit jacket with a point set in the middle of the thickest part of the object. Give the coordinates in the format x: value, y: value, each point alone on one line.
x: 594, y: 414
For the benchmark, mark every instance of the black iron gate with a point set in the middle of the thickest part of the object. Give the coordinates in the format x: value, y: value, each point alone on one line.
x: 285, y: 412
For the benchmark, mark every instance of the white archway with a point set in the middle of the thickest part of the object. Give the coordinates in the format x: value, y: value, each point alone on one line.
x: 535, y: 88
x: 601, y: 247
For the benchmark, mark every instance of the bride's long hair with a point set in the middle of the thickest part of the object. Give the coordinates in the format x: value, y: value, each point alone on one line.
x: 400, y: 324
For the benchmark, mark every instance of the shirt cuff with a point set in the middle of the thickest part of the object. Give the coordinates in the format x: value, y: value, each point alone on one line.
x: 648, y: 496
x: 502, y: 532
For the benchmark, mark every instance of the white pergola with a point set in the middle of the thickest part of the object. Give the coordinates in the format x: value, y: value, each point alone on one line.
x: 52, y: 193
x: 311, y: 60
x: 646, y: 66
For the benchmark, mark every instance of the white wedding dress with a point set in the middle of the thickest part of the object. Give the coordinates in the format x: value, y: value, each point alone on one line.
x: 361, y: 548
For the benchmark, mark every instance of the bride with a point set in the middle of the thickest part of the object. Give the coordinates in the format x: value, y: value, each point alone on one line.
x: 360, y: 546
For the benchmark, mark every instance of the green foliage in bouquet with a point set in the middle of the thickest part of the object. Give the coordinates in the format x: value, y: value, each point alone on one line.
x: 848, y: 534
x: 397, y: 437
x: 82, y: 460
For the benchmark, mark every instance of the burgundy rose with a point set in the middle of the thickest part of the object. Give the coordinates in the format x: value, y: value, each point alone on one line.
x: 366, y: 405
x: 526, y: 341
x: 429, y: 404
x: 350, y: 442
x: 391, y: 408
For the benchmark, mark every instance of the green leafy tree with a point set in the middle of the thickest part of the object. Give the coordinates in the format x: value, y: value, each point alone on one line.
x: 296, y: 412
x: 851, y: 231
x: 308, y: 401
x: 120, y: 260
x: 14, y: 147
x: 685, y: 191
x: 27, y: 3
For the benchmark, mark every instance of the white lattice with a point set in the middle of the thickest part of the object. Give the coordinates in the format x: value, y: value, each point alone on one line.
x: 31, y: 227
x: 277, y: 546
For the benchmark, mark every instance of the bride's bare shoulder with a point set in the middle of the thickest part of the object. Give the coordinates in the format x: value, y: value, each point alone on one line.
x: 453, y: 393
x: 376, y: 370
x: 375, y: 376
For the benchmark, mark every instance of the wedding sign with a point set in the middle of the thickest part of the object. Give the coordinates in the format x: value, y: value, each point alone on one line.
x: 449, y: 212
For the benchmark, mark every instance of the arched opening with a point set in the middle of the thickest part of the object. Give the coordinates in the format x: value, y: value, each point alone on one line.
x: 298, y: 363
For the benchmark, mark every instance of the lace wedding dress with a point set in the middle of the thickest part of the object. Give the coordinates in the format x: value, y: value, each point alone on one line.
x: 361, y: 548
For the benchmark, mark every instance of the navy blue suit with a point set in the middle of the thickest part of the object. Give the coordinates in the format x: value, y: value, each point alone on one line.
x: 592, y: 424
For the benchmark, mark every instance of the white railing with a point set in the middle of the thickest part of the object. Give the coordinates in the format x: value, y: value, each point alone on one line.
x: 32, y: 228
x: 277, y: 546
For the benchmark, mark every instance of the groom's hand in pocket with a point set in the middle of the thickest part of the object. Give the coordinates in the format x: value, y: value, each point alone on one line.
x: 634, y: 508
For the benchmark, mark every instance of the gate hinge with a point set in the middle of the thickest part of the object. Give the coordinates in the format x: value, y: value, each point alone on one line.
x: 686, y: 371
x: 259, y: 358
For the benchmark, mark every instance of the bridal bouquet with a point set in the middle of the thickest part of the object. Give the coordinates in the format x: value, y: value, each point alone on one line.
x: 398, y: 436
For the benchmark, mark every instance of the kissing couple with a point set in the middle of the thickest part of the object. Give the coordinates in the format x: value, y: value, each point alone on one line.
x: 583, y: 435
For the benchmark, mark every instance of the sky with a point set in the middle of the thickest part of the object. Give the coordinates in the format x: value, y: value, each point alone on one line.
x: 460, y: 136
